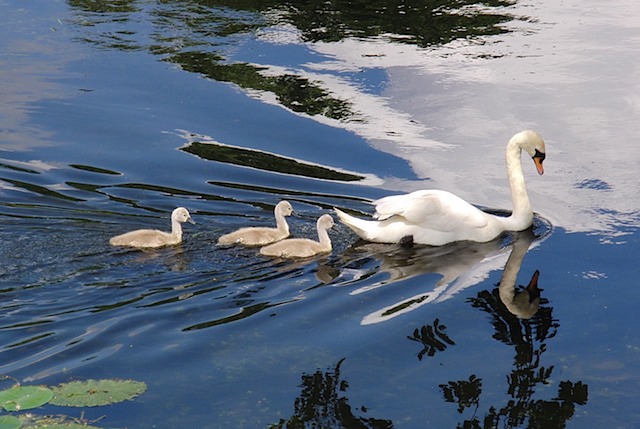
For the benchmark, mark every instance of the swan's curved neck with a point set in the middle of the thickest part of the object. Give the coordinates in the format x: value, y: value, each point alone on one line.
x: 281, y: 222
x: 522, y: 214
x: 507, y: 283
x: 323, y: 237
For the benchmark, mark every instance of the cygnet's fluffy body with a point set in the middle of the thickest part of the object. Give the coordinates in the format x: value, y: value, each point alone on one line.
x: 260, y: 236
x: 303, y: 247
x: 152, y: 238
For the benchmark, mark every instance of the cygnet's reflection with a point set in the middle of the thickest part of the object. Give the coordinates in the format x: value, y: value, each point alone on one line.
x: 460, y: 264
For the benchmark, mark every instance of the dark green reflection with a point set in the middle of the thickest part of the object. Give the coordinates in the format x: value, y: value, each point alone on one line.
x: 93, y: 169
x: 293, y: 92
x: 196, y: 34
x: 465, y: 393
x: 323, y: 404
x: 528, y: 338
x: 265, y: 161
x: 42, y: 190
x: 106, y: 6
x: 421, y: 22
x: 433, y: 339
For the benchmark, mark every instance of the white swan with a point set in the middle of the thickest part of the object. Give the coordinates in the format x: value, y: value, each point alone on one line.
x: 303, y: 247
x: 259, y: 236
x: 437, y: 217
x: 151, y: 238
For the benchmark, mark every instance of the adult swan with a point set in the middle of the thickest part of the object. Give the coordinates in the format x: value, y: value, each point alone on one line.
x: 437, y: 217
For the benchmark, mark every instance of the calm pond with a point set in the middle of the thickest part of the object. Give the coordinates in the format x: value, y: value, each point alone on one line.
x: 113, y: 113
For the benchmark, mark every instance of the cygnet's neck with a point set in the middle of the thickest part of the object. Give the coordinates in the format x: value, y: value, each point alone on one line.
x: 281, y: 222
x: 176, y: 229
x: 323, y: 237
x: 522, y: 214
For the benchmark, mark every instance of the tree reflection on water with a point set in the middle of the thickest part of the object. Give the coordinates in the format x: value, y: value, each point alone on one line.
x: 529, y: 338
x: 199, y: 36
x: 433, y: 339
x: 323, y: 404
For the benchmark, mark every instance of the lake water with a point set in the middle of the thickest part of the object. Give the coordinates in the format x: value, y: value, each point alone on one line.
x: 115, y: 112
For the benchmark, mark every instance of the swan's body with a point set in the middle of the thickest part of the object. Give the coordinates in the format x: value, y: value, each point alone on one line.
x: 151, y: 238
x: 437, y: 217
x: 303, y: 247
x: 259, y: 236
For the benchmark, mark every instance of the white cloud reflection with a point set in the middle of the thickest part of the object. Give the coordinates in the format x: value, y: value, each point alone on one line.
x: 449, y: 111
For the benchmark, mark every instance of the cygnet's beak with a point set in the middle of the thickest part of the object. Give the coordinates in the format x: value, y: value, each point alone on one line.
x: 191, y: 221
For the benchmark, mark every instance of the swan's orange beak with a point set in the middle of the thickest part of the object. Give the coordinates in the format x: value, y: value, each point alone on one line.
x: 538, y: 158
x: 539, y: 167
x: 532, y: 287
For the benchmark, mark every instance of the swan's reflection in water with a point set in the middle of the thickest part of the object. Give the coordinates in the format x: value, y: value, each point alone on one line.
x: 460, y: 265
x: 523, y: 303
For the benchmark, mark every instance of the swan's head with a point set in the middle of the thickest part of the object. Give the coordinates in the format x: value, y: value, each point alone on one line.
x: 325, y: 222
x: 527, y: 302
x: 181, y: 215
x: 284, y: 208
x: 533, y: 144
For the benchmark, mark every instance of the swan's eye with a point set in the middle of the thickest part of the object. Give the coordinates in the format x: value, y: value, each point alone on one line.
x: 540, y: 155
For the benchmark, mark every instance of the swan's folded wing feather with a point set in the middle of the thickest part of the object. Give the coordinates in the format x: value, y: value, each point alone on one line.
x: 434, y: 209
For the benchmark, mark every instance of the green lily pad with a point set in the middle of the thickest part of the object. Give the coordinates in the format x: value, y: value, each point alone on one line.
x: 92, y: 393
x: 19, y: 398
x: 9, y: 422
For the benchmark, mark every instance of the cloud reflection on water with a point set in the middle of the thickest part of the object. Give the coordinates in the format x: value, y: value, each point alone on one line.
x: 472, y: 95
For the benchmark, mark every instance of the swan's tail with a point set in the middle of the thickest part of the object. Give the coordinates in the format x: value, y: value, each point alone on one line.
x: 359, y: 226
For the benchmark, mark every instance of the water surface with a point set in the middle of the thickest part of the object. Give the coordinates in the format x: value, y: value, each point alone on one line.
x: 115, y: 113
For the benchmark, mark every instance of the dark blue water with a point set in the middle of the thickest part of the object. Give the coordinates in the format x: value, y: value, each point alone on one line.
x: 114, y: 113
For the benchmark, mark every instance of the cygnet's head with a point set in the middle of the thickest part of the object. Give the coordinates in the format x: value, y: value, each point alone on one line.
x: 181, y: 215
x: 533, y: 144
x: 325, y: 222
x: 284, y: 208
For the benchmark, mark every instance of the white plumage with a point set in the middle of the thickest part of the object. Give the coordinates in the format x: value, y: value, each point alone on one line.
x: 436, y: 217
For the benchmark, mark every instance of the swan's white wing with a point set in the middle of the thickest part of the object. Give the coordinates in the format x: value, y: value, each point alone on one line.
x: 435, y: 209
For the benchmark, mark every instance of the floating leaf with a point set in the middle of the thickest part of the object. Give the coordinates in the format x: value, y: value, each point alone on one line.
x: 9, y: 422
x: 91, y: 393
x: 20, y: 398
